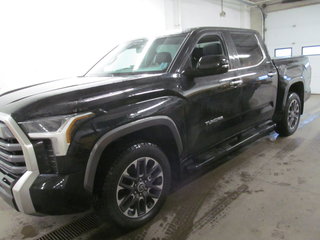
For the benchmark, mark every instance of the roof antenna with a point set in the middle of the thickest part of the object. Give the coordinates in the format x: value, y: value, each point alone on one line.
x: 222, y: 13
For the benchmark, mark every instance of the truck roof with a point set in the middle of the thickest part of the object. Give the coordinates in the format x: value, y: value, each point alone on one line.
x: 195, y: 30
x: 207, y: 28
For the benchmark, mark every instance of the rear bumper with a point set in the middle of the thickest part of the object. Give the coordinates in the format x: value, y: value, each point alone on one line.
x: 307, y: 95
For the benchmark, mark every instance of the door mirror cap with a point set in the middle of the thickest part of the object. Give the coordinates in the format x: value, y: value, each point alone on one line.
x: 209, y: 65
x: 212, y: 64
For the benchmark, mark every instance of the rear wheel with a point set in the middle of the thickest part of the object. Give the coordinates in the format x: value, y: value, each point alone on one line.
x: 291, y: 117
x: 135, y: 187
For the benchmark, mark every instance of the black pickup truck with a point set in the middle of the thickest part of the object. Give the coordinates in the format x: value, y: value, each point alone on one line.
x: 147, y: 113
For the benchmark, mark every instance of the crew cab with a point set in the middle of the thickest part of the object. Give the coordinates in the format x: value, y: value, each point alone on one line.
x: 148, y: 112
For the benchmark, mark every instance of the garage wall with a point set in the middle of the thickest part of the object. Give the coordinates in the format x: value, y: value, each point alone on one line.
x: 197, y: 13
x: 296, y: 28
x: 45, y: 40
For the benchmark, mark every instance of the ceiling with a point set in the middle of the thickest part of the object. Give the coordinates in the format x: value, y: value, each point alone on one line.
x: 277, y: 5
x: 269, y: 2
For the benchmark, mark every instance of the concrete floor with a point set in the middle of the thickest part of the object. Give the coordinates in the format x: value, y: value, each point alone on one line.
x: 267, y: 190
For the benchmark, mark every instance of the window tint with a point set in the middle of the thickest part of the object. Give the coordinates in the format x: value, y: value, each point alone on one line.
x: 249, y: 51
x: 208, y: 45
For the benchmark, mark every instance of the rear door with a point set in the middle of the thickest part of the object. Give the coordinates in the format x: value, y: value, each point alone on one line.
x: 258, y: 78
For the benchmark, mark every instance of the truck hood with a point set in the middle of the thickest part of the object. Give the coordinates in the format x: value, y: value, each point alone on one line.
x: 65, y: 96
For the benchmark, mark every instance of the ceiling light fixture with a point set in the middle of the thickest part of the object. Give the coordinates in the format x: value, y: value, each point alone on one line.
x: 222, y: 13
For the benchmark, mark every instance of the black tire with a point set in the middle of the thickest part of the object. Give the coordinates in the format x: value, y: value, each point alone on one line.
x: 291, y: 116
x: 131, y: 199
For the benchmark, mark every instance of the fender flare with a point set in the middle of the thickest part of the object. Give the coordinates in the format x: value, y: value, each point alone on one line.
x: 282, y: 96
x: 286, y: 93
x: 119, y: 132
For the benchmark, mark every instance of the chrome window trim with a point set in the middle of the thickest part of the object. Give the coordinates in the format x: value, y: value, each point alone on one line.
x: 21, y: 190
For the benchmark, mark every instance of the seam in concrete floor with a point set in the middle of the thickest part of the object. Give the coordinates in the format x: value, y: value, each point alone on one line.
x: 288, y: 186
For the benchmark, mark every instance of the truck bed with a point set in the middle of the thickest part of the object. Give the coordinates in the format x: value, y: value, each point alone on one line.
x: 292, y: 70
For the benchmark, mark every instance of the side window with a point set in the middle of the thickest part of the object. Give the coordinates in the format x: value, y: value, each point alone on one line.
x: 310, y: 50
x: 208, y: 45
x: 283, y: 52
x: 249, y: 51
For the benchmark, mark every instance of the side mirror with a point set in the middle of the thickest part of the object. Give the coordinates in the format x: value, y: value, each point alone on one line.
x: 212, y: 64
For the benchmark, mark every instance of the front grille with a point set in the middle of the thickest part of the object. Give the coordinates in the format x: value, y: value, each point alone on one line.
x: 12, y: 163
x: 12, y: 160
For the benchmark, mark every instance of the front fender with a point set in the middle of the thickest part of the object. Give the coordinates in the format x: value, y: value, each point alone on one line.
x: 119, y: 132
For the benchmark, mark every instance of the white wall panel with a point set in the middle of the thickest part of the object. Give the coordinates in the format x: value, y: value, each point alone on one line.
x: 44, y: 40
x: 296, y: 28
x: 197, y: 13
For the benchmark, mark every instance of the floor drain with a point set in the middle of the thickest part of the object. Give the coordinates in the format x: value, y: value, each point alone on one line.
x: 73, y: 229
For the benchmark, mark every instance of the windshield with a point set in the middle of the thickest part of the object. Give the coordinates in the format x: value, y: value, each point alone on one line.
x: 139, y: 56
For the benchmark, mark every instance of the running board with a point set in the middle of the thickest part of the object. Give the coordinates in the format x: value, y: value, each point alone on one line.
x: 227, y: 147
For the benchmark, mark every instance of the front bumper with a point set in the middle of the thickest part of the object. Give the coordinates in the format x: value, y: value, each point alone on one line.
x: 20, y: 185
x: 6, y: 189
x: 59, y: 194
x: 24, y: 188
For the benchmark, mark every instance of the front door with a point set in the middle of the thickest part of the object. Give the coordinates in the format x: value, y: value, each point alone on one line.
x: 214, y: 108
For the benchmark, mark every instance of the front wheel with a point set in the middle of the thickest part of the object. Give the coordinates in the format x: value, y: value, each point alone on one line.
x: 291, y: 117
x: 135, y: 187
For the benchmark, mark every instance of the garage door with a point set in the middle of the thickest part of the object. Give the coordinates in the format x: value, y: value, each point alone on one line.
x: 288, y: 31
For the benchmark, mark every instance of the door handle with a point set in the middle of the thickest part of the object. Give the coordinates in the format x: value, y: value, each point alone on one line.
x: 271, y: 74
x: 236, y: 83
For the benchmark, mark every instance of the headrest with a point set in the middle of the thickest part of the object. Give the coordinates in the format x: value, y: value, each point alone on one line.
x: 212, y: 49
x: 163, y: 57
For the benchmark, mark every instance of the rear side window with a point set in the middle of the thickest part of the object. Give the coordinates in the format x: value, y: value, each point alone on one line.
x: 249, y: 51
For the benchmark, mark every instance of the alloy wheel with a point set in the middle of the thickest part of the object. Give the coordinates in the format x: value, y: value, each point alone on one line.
x: 139, y: 187
x: 293, y: 114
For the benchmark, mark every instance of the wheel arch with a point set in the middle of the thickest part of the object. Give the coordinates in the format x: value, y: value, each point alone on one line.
x: 121, y: 132
x: 284, y: 89
x: 298, y: 88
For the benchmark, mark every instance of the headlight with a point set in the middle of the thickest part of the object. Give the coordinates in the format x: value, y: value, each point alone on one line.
x: 58, y: 129
x: 43, y: 125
